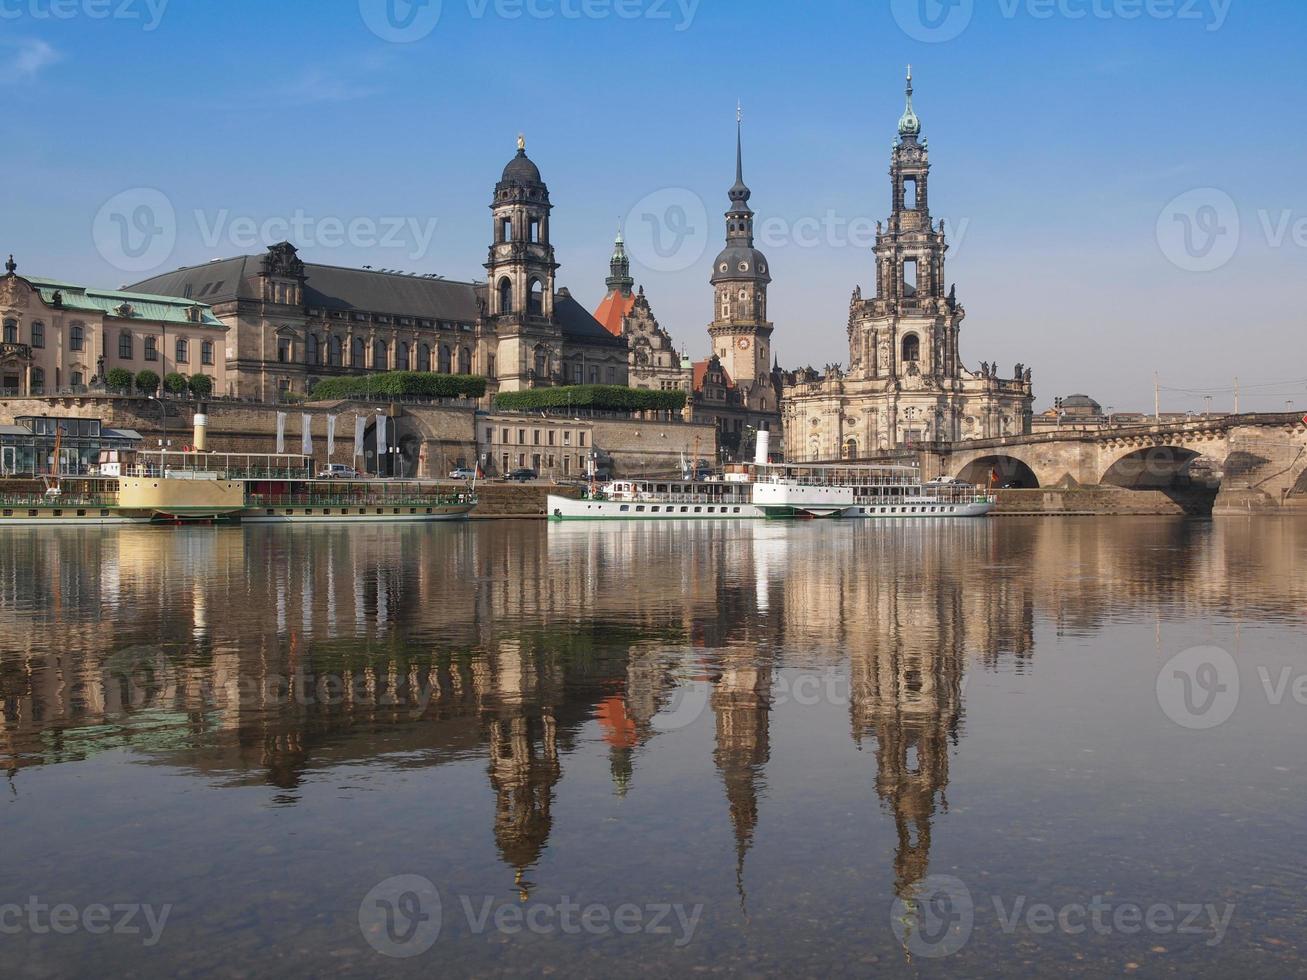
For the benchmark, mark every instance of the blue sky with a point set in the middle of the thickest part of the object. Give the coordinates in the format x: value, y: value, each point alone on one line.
x: 1074, y: 145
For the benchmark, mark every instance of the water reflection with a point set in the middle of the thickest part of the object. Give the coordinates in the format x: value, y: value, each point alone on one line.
x: 260, y: 656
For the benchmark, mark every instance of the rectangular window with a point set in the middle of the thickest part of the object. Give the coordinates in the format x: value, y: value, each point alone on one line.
x: 521, y: 437
x: 551, y: 437
x: 151, y: 349
x: 490, y: 435
x: 567, y: 437
x: 535, y: 437
x: 283, y: 351
x: 580, y: 438
x: 505, y: 440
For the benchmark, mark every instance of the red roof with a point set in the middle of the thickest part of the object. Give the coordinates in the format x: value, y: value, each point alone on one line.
x: 613, y: 310
x: 701, y: 369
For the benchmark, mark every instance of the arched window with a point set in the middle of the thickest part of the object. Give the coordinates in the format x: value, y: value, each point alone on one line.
x: 151, y: 348
x: 505, y: 295
x: 334, y: 351
x: 464, y: 361
x: 125, y: 345
x: 183, y: 351
x: 536, y: 299
x: 76, y: 337
x: 11, y: 331
x: 380, y: 355
x: 311, y: 349
x: 38, y: 381
x: 358, y: 352
x: 206, y: 352
x: 38, y: 334
x: 424, y: 357
x: 445, y: 366
x: 850, y: 449
x: 401, y: 356
x: 911, y: 347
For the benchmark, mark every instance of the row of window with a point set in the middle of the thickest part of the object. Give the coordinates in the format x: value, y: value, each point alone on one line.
x: 126, y: 343
x: 332, y: 354
x: 549, y: 435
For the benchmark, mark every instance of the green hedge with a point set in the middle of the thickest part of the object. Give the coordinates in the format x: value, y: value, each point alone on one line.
x: 613, y: 398
x: 420, y: 383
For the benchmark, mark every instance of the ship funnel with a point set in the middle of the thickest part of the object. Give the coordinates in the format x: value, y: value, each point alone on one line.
x: 201, y: 431
x: 763, y: 448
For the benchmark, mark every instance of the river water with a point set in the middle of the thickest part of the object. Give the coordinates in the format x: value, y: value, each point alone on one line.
x: 977, y: 748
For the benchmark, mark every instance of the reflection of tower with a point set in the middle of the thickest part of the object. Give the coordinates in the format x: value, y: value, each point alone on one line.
x: 741, y: 703
x: 524, y: 766
x: 911, y: 702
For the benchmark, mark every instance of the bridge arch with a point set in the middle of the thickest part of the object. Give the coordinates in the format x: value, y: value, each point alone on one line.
x: 1150, y: 468
x: 999, y: 470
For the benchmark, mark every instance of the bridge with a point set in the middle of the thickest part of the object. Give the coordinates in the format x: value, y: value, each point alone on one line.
x: 1254, y: 462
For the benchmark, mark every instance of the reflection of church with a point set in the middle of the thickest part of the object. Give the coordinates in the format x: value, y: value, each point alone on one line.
x: 905, y: 382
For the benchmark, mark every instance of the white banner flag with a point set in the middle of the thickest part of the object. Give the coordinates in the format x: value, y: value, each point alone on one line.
x: 381, y: 440
x: 306, y: 434
x: 281, y: 432
x: 360, y: 424
x: 331, y: 436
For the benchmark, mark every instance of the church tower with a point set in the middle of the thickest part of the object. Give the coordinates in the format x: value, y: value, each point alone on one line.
x: 619, y: 269
x: 520, y: 284
x: 740, y: 331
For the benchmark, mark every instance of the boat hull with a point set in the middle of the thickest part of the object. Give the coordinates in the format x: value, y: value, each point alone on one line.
x: 569, y: 509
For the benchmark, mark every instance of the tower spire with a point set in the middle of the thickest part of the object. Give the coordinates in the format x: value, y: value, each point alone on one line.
x: 619, y: 269
x: 909, y: 124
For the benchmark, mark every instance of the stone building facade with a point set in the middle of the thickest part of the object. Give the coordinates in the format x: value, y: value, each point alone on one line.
x: 61, y: 338
x: 294, y: 323
x: 905, y: 383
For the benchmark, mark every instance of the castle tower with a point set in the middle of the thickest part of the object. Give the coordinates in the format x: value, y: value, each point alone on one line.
x: 619, y: 269
x: 740, y: 331
x: 521, y: 270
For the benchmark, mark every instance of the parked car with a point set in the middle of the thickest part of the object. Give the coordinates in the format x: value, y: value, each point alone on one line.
x: 337, y: 471
x: 522, y: 475
x: 463, y: 473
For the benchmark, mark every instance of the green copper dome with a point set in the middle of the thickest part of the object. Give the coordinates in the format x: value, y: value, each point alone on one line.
x: 909, y: 124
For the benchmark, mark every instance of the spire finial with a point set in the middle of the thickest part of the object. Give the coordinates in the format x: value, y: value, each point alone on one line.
x: 909, y: 124
x: 739, y: 144
x: 11, y: 266
x: 521, y: 143
x: 619, y: 232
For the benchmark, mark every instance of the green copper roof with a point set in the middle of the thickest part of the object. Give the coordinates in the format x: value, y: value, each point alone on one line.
x: 909, y: 124
x: 145, y: 307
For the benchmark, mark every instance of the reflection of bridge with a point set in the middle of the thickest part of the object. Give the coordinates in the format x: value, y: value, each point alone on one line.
x: 1261, y: 460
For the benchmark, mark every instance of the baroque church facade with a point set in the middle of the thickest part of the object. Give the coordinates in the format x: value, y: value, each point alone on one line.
x: 292, y: 323
x: 905, y: 383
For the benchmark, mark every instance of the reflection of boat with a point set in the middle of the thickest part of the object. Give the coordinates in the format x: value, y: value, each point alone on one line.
x: 203, y: 486
x: 778, y: 490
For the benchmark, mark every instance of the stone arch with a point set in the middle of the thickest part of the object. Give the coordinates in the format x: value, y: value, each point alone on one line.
x: 1150, y: 468
x: 505, y: 295
x: 999, y: 471
x: 535, y: 298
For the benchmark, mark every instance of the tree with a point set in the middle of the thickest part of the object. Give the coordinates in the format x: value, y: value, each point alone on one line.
x: 201, y: 385
x: 174, y: 383
x: 119, y: 379
x: 147, y: 381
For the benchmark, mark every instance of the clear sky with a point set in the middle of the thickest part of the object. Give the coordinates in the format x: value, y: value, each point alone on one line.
x: 1123, y: 179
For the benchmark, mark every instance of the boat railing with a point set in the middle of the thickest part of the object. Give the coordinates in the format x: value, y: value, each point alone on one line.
x: 61, y: 500
x: 358, y: 500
